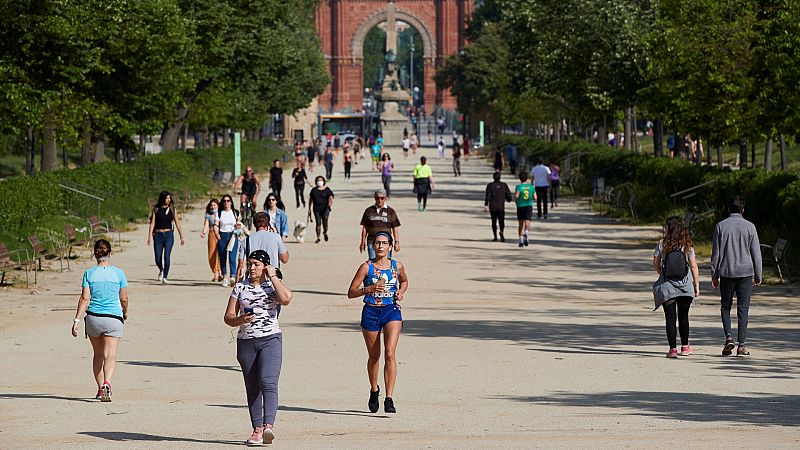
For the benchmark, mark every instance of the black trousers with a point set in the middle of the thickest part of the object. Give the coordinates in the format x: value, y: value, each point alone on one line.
x: 498, y: 216
x: 682, y: 304
x: 298, y: 194
x: 743, y: 288
x: 541, y: 198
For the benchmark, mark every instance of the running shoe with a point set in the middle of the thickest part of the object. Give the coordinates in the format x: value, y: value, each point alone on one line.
x: 520, y: 244
x: 502, y: 238
x: 225, y: 282
x: 495, y: 239
x: 388, y: 406
x: 742, y: 352
x: 99, y: 394
x: 325, y: 235
x: 160, y: 275
x: 686, y: 350
x: 269, y: 435
x: 728, y: 349
x: 257, y: 438
x: 673, y: 353
x: 317, y: 241
x: 525, y: 240
x: 164, y: 280
x: 373, y: 400
x: 105, y: 392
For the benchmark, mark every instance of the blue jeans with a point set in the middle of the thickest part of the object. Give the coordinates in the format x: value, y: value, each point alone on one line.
x: 222, y: 246
x: 162, y: 245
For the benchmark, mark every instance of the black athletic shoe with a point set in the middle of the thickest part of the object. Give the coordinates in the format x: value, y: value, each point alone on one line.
x: 525, y: 240
x: 325, y: 235
x: 373, y: 400
x: 388, y: 406
x: 495, y: 239
x: 520, y: 244
x: 502, y: 238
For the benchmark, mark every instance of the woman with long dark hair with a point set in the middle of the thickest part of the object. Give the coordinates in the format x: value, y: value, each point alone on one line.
x: 320, y: 199
x: 104, y: 299
x: 678, y: 282
x: 386, y: 167
x: 226, y: 223
x: 164, y: 219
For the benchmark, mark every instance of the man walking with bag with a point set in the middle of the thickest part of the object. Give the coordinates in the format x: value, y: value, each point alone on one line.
x: 735, y: 269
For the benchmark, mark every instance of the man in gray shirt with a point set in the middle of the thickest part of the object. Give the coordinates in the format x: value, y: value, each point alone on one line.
x: 263, y: 239
x: 735, y: 268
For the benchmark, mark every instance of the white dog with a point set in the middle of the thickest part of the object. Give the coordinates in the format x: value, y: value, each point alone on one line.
x: 300, y: 231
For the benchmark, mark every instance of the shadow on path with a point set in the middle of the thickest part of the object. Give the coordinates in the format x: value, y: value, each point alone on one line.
x: 121, y: 436
x: 758, y: 409
x: 302, y: 409
x: 174, y: 365
x: 44, y: 397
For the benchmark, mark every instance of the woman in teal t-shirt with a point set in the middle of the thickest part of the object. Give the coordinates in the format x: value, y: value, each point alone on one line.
x: 104, y: 299
x: 524, y: 196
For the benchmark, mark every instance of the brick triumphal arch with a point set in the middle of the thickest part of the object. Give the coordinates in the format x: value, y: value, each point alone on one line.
x: 343, y: 25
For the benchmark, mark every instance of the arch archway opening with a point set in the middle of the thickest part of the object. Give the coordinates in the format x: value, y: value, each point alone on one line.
x: 410, y: 58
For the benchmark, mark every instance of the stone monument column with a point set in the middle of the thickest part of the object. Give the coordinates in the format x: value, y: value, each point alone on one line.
x: 392, y: 120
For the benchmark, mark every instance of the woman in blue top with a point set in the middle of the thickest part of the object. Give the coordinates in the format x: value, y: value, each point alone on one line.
x: 104, y: 299
x: 384, y: 285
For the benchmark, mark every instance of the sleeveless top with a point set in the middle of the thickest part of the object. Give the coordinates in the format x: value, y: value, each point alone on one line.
x: 387, y: 169
x: 164, y: 218
x: 554, y: 174
x: 249, y: 186
x: 386, y: 297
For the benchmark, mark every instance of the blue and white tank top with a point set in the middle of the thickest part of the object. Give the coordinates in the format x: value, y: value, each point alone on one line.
x: 386, y: 296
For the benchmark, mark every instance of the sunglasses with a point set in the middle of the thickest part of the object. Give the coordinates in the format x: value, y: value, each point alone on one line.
x: 380, y: 198
x: 227, y: 201
x: 273, y: 199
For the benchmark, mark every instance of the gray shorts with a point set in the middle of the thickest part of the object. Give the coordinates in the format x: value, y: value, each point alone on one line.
x: 103, y: 326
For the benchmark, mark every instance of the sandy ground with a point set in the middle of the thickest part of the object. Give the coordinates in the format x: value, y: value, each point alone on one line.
x: 552, y: 346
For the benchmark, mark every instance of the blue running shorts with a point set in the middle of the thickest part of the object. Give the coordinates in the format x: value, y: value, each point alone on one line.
x: 373, y: 318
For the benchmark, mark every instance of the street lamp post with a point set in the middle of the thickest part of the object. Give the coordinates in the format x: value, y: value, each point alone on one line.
x: 411, y: 61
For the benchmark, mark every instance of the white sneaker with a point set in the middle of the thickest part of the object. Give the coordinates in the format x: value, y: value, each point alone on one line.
x: 164, y: 280
x: 225, y: 282
x: 160, y: 275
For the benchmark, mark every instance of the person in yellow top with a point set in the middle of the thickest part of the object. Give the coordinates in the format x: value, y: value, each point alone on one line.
x: 423, y: 183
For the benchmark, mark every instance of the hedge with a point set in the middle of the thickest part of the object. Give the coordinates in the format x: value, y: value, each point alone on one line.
x: 772, y: 198
x: 37, y: 204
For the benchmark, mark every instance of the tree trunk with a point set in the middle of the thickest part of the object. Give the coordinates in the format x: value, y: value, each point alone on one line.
x: 719, y: 156
x: 86, y: 153
x: 99, y: 151
x: 784, y: 162
x: 142, y: 145
x: 635, y: 131
x: 184, y: 136
x: 225, y: 137
x: 215, y: 141
x: 680, y: 145
x: 742, y: 153
x: 48, y: 162
x: 30, y: 153
x: 768, y: 156
x: 709, y: 159
x: 627, y: 128
x: 752, y: 154
x: 557, y: 133
x: 658, y: 138
x: 170, y: 134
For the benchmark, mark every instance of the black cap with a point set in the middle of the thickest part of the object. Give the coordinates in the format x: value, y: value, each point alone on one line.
x: 260, y: 255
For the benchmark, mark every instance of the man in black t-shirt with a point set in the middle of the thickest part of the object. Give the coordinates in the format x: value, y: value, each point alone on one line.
x: 497, y: 194
x: 276, y: 178
x: 378, y: 217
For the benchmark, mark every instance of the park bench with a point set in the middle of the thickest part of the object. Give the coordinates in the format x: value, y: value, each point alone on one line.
x: 40, y: 251
x: 598, y: 189
x: 778, y: 255
x: 7, y: 261
x: 100, y: 227
x: 72, y: 240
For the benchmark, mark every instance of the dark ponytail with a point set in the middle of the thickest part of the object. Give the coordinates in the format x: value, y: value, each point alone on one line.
x: 102, y: 248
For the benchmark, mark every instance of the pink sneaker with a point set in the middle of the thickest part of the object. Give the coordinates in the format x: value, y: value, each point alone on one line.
x: 257, y: 438
x: 105, y: 391
x: 686, y: 350
x: 269, y: 435
x: 673, y: 353
x: 99, y: 394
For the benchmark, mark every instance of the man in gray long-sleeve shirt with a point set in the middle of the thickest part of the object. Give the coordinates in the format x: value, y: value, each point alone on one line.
x: 735, y: 268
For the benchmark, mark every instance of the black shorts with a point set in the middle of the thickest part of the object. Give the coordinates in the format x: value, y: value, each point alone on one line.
x: 525, y: 212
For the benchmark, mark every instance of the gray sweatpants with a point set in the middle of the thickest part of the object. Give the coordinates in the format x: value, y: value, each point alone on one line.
x: 260, y: 359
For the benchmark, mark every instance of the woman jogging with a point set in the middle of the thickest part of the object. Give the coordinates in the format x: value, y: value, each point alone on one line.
x: 104, y: 299
x: 383, y: 283
x: 423, y: 183
x: 228, y: 216
x: 387, y: 167
x: 678, y: 282
x: 163, y: 220
x: 209, y: 222
x: 320, y: 199
x: 253, y: 307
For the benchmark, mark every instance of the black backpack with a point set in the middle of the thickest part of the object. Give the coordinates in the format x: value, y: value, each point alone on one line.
x: 674, y: 265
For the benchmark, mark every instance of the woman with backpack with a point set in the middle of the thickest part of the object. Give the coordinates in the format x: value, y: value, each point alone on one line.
x: 228, y: 216
x: 163, y: 220
x: 678, y: 282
